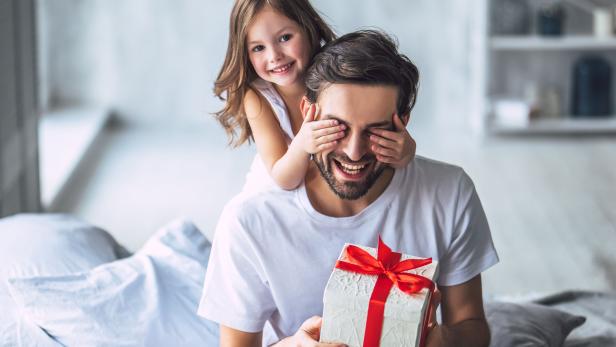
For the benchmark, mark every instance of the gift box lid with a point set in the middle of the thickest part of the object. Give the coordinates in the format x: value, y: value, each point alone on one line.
x: 353, y: 290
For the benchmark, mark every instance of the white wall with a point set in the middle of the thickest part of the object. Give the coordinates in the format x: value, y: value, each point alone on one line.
x: 155, y: 60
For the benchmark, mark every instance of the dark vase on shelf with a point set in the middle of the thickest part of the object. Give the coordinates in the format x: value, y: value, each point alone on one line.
x: 550, y: 20
x: 592, y: 87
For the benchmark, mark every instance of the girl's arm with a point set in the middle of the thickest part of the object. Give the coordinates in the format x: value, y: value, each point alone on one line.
x: 288, y: 164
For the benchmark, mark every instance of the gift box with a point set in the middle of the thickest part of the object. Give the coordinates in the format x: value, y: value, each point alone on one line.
x: 376, y: 297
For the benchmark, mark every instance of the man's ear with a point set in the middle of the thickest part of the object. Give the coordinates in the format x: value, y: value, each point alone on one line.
x: 304, y: 104
x: 405, y: 118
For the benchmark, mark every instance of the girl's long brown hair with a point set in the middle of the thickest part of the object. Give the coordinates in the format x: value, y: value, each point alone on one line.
x: 237, y: 72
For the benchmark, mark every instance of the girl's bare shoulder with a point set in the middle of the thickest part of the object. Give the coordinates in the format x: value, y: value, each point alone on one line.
x: 255, y: 105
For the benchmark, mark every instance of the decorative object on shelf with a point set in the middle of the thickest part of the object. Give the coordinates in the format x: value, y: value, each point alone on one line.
x: 592, y: 87
x: 602, y: 22
x: 550, y: 20
x: 511, y: 17
x: 511, y: 112
x: 602, y: 16
x: 550, y: 103
x: 532, y: 97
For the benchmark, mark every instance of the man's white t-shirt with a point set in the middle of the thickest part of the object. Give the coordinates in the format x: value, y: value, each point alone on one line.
x: 273, y: 252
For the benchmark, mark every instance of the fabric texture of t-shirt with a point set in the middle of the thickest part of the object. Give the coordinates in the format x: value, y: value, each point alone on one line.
x: 257, y: 178
x: 273, y: 252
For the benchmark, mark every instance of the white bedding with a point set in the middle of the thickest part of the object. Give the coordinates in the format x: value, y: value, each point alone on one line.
x: 35, y: 245
x: 147, y: 299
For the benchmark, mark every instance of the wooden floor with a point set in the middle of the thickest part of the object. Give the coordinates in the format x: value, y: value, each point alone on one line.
x: 551, y: 202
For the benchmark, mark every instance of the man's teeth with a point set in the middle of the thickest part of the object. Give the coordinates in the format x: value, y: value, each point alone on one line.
x: 351, y: 169
x: 282, y: 68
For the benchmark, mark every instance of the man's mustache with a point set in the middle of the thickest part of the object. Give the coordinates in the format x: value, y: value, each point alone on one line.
x: 346, y: 159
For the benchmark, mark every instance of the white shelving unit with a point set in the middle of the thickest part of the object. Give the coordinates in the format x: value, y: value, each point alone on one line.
x: 513, y: 61
x: 559, y: 126
x: 537, y: 43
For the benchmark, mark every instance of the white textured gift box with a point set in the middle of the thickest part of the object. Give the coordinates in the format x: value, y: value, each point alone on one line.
x: 345, y: 307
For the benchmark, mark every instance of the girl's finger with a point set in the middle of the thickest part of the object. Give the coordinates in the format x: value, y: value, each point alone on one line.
x: 326, y: 146
x: 386, y: 160
x: 384, y: 151
x: 384, y: 142
x: 327, y: 131
x: 322, y: 124
x: 330, y: 138
x: 388, y: 134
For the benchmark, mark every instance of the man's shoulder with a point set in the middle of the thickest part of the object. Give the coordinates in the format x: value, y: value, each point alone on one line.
x: 428, y: 179
x: 436, y: 170
x: 259, y: 208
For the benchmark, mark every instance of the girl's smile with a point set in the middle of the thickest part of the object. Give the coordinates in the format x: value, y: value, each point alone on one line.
x: 282, y: 69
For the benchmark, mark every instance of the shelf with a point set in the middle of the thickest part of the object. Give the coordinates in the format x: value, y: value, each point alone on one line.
x: 539, y: 43
x: 564, y: 126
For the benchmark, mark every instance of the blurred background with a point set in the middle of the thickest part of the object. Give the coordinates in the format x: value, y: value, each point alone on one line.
x: 105, y: 113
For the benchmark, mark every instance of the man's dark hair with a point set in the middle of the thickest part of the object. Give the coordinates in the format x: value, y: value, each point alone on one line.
x: 368, y: 57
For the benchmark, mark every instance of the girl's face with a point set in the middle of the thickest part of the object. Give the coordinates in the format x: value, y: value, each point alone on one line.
x: 277, y: 48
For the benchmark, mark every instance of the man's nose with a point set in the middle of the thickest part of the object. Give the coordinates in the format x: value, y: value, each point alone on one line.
x: 355, y: 146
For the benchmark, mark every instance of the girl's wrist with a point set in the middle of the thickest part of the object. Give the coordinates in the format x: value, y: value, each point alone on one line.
x: 296, y: 148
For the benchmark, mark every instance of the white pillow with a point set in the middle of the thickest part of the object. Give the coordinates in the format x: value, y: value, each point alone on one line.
x: 148, y: 299
x: 45, y: 244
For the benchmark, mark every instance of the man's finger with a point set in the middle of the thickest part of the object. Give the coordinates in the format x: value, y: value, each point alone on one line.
x: 435, y: 301
x: 312, y: 327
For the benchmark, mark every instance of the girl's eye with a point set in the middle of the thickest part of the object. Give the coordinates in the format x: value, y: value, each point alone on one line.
x: 258, y: 48
x: 285, y: 37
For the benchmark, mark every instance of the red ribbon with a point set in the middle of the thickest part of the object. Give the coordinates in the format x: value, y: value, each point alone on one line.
x: 390, y: 271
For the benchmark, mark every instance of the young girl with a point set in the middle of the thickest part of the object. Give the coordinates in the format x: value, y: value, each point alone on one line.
x: 271, y: 44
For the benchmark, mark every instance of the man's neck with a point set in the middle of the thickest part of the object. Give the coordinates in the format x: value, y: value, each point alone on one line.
x: 325, y: 201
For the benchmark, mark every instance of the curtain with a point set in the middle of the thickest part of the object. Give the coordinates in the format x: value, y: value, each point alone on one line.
x: 19, y: 167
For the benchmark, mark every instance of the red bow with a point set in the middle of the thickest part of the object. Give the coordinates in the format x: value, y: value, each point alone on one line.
x: 390, y: 271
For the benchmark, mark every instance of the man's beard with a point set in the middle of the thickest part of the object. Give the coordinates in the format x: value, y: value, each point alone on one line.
x: 347, y: 190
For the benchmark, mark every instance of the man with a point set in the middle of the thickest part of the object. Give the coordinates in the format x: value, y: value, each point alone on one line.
x: 273, y: 253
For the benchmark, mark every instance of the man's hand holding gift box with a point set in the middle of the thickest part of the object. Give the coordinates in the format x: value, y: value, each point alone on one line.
x: 377, y: 297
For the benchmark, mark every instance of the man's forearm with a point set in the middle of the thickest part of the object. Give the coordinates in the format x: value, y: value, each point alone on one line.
x: 471, y: 333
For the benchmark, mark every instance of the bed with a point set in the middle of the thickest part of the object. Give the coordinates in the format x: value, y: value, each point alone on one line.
x: 64, y: 282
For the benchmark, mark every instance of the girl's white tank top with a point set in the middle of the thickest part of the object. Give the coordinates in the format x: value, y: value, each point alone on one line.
x: 258, y: 179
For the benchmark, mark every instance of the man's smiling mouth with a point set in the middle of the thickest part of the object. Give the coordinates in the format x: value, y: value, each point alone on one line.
x: 351, y: 171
